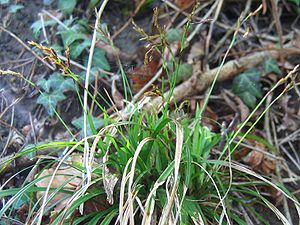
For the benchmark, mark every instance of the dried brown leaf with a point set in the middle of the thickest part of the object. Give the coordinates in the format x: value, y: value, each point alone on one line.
x: 116, y: 95
x: 236, y: 104
x: 255, y: 159
x: 259, y: 161
x: 60, y: 178
x: 184, y: 4
x: 197, y: 52
x: 140, y: 76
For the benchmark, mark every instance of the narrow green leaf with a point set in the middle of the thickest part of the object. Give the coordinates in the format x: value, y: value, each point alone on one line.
x: 109, y: 217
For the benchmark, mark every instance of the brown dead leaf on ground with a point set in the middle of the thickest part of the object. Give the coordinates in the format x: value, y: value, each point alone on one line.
x: 259, y: 161
x: 140, y: 76
x: 273, y: 193
x: 184, y: 4
x: 196, y: 52
x: 56, y: 14
x: 63, y: 174
x: 288, y: 123
x: 236, y: 104
x: 116, y: 95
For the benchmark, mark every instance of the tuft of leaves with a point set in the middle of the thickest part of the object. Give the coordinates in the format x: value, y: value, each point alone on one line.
x: 248, y: 87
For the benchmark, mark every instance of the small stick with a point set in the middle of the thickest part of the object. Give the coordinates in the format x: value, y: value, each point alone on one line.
x: 43, y: 27
x: 217, y: 13
x: 55, y: 18
x: 278, y: 28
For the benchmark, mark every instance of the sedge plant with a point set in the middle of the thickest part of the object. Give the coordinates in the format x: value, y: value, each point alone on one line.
x: 161, y: 167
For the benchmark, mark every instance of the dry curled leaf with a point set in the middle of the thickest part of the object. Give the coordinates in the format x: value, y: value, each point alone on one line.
x: 236, y: 104
x: 259, y: 161
x: 197, y: 51
x: 116, y: 95
x: 16, y: 140
x: 184, y: 4
x: 140, y: 76
x: 61, y: 177
x: 109, y: 181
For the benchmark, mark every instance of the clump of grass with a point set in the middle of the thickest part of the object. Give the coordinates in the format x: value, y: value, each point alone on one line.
x: 164, y: 166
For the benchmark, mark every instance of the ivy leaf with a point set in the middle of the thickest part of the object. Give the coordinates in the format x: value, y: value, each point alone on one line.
x: 185, y: 71
x: 50, y: 100
x: 37, y: 26
x: 97, y: 123
x: 248, y: 87
x: 58, y: 48
x: 70, y: 36
x: 82, y: 75
x: 297, y: 2
x: 67, y: 85
x: 77, y: 48
x: 44, y: 84
x: 99, y: 59
x: 174, y: 34
x: 57, y: 82
x: 67, y: 6
x: 271, y: 65
x: 248, y: 99
x: 15, y: 8
x: 2, y: 2
x: 93, y: 3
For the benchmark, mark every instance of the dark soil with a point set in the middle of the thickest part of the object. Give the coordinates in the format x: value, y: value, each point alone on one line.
x: 13, y: 56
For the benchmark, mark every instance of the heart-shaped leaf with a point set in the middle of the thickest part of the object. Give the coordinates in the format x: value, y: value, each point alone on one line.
x: 248, y: 87
x: 50, y: 100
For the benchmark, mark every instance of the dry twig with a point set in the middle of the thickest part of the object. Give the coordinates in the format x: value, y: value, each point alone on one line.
x: 229, y: 70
